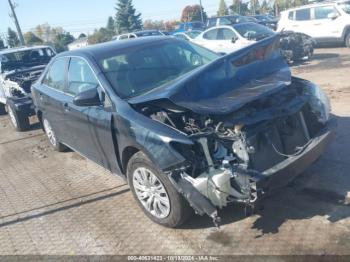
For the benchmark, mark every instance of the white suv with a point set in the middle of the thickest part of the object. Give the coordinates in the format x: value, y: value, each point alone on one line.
x: 326, y: 22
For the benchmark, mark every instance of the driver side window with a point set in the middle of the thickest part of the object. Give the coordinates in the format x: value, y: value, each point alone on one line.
x: 80, y: 77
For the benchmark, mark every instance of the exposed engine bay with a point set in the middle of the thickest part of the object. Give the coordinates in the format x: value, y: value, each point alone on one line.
x: 20, y: 68
x: 231, y: 153
x: 18, y: 83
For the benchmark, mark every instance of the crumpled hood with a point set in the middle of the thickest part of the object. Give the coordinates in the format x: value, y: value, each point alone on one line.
x: 227, y: 83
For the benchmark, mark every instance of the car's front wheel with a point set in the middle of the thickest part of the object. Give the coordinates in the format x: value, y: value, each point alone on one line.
x: 155, y: 194
x: 51, y: 135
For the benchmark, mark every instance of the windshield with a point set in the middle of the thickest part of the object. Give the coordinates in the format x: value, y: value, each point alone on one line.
x: 253, y: 31
x: 345, y: 6
x: 136, y: 72
x: 19, y: 59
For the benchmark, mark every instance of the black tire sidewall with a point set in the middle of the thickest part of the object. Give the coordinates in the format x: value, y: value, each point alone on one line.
x: 179, y: 208
x: 21, y: 120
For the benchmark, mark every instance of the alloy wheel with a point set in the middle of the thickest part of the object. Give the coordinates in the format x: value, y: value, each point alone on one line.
x: 49, y: 132
x: 12, y: 116
x: 151, y: 192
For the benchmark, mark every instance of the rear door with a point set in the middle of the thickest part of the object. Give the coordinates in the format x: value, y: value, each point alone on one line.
x: 51, y: 96
x: 300, y: 21
x: 90, y: 128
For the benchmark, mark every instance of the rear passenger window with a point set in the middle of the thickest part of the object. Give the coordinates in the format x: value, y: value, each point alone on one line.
x: 322, y: 12
x: 80, y: 77
x: 225, y: 34
x: 211, y: 35
x: 55, y: 77
x: 302, y: 14
x: 291, y: 15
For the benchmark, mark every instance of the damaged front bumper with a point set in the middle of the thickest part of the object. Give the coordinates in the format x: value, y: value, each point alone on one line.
x: 283, y: 173
x: 258, y: 184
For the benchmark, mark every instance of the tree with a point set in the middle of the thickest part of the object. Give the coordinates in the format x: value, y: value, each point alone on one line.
x: 223, y: 10
x: 61, y: 41
x: 240, y: 7
x: 193, y: 13
x: 170, y: 25
x: 12, y: 38
x: 82, y: 35
x: 2, y: 44
x: 47, y: 33
x: 32, y: 39
x: 126, y: 19
x: 99, y: 36
x: 150, y: 24
x: 110, y: 24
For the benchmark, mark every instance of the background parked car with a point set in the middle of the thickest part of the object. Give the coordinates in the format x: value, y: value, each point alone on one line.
x: 19, y: 69
x: 189, y: 35
x: 326, y: 22
x: 189, y: 26
x: 227, y: 39
x: 228, y: 20
x: 138, y: 34
x: 266, y: 21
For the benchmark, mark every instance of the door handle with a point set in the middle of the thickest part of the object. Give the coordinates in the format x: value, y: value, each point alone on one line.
x: 66, y: 107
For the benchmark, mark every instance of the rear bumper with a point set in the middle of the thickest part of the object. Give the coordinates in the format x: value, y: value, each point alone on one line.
x: 283, y: 173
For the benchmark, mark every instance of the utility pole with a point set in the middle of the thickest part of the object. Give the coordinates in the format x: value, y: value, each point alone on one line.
x: 19, y: 31
x: 202, y: 16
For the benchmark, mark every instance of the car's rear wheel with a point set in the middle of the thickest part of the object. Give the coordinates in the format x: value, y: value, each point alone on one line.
x: 347, y: 40
x: 155, y: 194
x: 2, y: 109
x: 19, y: 120
x: 51, y: 135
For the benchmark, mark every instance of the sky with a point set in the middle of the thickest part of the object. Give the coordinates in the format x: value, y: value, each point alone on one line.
x: 82, y: 16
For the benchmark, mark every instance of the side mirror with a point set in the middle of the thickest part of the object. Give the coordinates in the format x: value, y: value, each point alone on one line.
x: 332, y: 15
x: 90, y: 97
x: 234, y: 39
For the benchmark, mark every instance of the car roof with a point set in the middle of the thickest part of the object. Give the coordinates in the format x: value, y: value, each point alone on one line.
x: 24, y: 48
x: 102, y: 49
x: 314, y: 5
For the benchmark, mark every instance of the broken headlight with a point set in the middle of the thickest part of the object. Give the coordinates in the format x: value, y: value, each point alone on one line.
x: 319, y: 103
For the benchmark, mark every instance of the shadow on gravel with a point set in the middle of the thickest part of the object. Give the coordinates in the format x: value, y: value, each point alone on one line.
x: 322, y: 190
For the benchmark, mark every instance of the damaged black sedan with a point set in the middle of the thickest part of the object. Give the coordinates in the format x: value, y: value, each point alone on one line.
x: 187, y: 128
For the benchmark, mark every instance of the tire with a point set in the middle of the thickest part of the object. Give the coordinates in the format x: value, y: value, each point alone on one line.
x: 2, y: 109
x: 177, y: 212
x: 54, y: 142
x: 347, y: 40
x: 19, y: 120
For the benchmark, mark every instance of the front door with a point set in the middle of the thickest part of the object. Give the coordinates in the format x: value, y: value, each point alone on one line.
x: 90, y: 128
